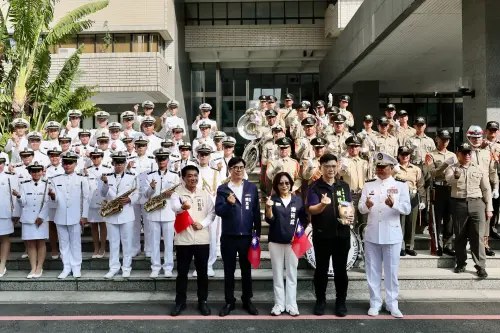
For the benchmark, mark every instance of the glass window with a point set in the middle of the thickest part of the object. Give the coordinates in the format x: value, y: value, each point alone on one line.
x: 306, y: 9
x: 263, y: 21
x: 248, y: 9
x: 219, y: 22
x: 220, y: 10
x: 140, y: 43
x: 205, y: 22
x: 234, y: 22
x: 104, y: 44
x: 280, y: 80
x: 263, y: 10
x: 291, y: 21
x: 88, y: 42
x: 121, y: 43
x: 153, y: 42
x: 319, y: 21
x: 234, y: 10
x: 210, y: 78
x: 306, y: 21
x: 206, y: 10
x: 277, y: 9
x: 277, y: 21
x: 192, y: 22
x: 69, y: 43
x: 291, y: 9
x: 191, y: 10
x: 319, y: 8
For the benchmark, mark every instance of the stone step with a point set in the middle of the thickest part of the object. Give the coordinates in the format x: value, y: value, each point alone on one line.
x: 409, y: 279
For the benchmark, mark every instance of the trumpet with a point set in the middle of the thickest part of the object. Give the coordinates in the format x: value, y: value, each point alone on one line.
x: 159, y: 201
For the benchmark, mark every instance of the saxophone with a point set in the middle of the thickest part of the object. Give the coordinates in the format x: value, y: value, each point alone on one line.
x: 114, y: 206
x: 159, y: 201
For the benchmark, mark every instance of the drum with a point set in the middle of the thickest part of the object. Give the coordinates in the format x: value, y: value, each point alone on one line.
x: 352, y: 258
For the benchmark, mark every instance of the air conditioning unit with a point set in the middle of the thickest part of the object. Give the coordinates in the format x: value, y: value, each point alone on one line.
x: 66, y: 51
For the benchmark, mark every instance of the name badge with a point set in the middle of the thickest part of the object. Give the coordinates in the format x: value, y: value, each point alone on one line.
x: 278, y: 203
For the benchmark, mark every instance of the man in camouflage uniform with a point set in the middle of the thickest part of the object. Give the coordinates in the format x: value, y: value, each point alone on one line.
x: 336, y: 140
x: 436, y: 163
x: 493, y: 144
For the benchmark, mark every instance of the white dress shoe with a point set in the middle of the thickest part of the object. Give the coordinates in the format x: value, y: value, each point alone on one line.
x: 94, y: 256
x: 154, y: 274
x: 195, y: 274
x: 125, y: 274
x: 77, y: 274
x: 396, y: 313
x: 294, y: 312
x: 55, y: 257
x: 30, y: 275
x: 374, y: 311
x: 100, y: 256
x: 4, y: 271
x: 36, y: 276
x: 110, y: 274
x: 168, y: 274
x: 276, y: 311
x: 210, y: 272
x: 24, y: 256
x: 63, y: 275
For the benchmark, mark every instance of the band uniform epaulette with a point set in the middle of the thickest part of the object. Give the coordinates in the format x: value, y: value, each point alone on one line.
x: 225, y: 181
x: 41, y: 152
x: 106, y: 166
x: 174, y: 172
x: 400, y: 180
x: 152, y: 157
x: 214, y: 169
x: 151, y: 172
x: 43, y: 180
x: 25, y: 181
x: 110, y: 174
x: 18, y: 165
x: 131, y: 157
x: 90, y: 166
x: 130, y: 173
x: 370, y: 180
x: 57, y: 175
x: 9, y: 173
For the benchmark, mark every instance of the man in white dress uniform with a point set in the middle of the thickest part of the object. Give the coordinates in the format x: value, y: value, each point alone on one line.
x: 384, y: 199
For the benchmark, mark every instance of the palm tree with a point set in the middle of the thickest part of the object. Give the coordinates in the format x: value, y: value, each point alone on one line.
x: 25, y: 89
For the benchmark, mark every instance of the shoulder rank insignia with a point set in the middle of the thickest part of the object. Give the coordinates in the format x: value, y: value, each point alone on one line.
x: 400, y: 180
x: 370, y: 180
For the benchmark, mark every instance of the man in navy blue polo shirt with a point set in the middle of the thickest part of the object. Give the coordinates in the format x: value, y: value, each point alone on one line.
x: 330, y: 237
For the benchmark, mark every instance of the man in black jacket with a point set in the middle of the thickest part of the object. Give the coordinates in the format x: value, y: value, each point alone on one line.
x: 330, y: 237
x: 237, y: 203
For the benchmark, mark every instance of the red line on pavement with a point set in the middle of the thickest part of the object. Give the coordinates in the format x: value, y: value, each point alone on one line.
x: 285, y: 317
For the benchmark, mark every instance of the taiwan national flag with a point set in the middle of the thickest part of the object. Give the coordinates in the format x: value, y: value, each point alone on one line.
x: 300, y: 242
x: 254, y: 251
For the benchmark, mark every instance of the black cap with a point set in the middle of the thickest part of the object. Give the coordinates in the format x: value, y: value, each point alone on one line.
x: 271, y: 99
x: 283, y: 142
x: 339, y: 118
x: 390, y: 107
x: 333, y: 110
x: 161, y: 153
x: 368, y: 117
x: 346, y: 98
x: 353, y: 141
x: 119, y: 156
x: 420, y: 120
x: 492, y: 125
x: 271, y: 113
x: 35, y: 166
x: 319, y: 142
x: 402, y: 113
x: 319, y: 103
x: 308, y: 121
x: 26, y: 152
x: 3, y: 160
x: 289, y: 96
x: 403, y: 150
x: 383, y: 121
x: 464, y: 146
x: 304, y: 105
x: 263, y: 98
x: 443, y: 134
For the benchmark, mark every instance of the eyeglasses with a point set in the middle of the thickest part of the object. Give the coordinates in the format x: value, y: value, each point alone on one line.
x: 238, y: 168
x: 329, y: 166
x: 284, y: 183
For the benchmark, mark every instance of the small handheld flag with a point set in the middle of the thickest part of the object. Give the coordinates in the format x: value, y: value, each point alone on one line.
x: 254, y: 251
x: 182, y: 221
x: 300, y: 242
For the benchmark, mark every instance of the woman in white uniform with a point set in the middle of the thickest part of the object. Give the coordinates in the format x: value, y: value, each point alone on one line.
x: 8, y: 183
x: 55, y: 168
x: 33, y: 193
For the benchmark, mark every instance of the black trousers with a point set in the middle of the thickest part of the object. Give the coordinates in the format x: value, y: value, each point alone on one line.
x: 185, y: 254
x: 442, y: 213
x: 338, y: 249
x: 494, y: 218
x: 230, y: 246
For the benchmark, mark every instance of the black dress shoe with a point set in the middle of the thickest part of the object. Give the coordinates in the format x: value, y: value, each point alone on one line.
x: 449, y: 252
x: 402, y: 253
x: 178, y: 308
x: 340, y: 309
x: 481, y: 273
x: 204, y: 309
x: 459, y: 269
x: 226, y: 309
x: 412, y: 253
x: 250, y: 308
x: 494, y: 235
x: 440, y: 252
x: 489, y: 252
x: 319, y: 308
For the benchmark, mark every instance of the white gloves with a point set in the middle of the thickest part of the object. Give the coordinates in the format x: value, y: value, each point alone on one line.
x: 495, y: 194
x: 364, y: 150
x: 396, y: 168
x: 414, y: 146
x: 344, y: 163
x: 310, y: 163
x: 421, y: 206
x: 279, y: 164
x: 451, y: 160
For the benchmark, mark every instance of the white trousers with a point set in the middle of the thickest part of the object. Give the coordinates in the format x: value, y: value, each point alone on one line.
x: 70, y: 246
x: 213, y: 229
x: 167, y: 229
x: 375, y: 256
x: 141, y: 215
x: 282, y: 257
x: 120, y: 233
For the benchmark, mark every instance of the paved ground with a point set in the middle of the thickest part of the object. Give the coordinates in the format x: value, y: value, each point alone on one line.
x: 152, y: 317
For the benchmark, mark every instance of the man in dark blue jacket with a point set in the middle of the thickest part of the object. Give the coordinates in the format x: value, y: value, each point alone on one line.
x: 237, y: 204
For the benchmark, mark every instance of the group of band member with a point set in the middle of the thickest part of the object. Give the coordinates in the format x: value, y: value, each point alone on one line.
x: 311, y: 161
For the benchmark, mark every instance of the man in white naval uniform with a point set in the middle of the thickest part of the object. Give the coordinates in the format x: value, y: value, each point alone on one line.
x: 70, y: 191
x: 209, y: 181
x: 103, y: 144
x: 102, y: 118
x: 115, y: 143
x: 205, y: 109
x: 148, y: 131
x: 140, y: 165
x: 121, y: 224
x: 128, y: 118
x: 52, y: 128
x: 18, y: 141
x: 83, y: 149
x: 170, y: 119
x: 162, y: 219
x: 384, y: 199
x: 54, y: 169
x: 74, y: 117
x: 185, y: 157
x: 205, y: 137
x: 20, y: 170
x: 228, y: 144
x: 218, y: 153
x: 34, y: 141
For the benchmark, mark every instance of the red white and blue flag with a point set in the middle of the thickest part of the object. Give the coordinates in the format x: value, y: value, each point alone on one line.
x: 300, y: 241
x: 182, y: 221
x: 254, y: 251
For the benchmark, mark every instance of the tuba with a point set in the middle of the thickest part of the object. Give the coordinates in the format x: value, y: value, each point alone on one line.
x: 114, y: 206
x: 159, y: 201
x: 249, y: 124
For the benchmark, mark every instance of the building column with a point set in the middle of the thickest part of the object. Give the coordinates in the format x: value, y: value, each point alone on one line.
x: 481, y: 61
x: 365, y: 101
